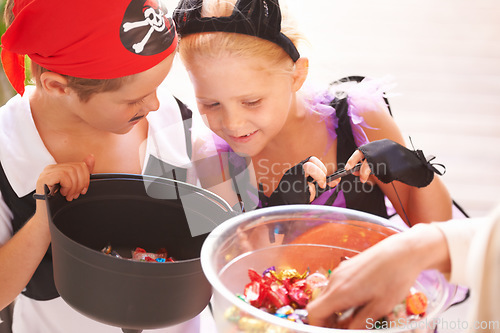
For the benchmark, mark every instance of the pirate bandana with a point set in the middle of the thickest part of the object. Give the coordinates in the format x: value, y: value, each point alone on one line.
x: 88, y: 39
x: 259, y: 18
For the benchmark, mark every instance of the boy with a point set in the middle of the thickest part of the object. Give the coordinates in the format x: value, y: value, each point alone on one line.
x: 98, y: 69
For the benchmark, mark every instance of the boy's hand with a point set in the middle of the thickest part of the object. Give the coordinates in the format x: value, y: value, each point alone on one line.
x: 74, y: 178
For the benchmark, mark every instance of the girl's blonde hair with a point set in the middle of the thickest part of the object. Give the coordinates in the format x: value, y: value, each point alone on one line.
x: 84, y: 88
x: 217, y: 44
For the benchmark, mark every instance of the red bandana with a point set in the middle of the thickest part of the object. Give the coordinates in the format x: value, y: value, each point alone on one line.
x: 89, y: 39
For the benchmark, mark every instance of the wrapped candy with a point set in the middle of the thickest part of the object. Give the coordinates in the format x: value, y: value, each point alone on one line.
x: 286, y: 293
x: 139, y: 254
x: 416, y: 303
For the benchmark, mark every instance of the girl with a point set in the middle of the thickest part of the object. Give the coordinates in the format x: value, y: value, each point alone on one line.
x: 89, y: 112
x: 248, y: 77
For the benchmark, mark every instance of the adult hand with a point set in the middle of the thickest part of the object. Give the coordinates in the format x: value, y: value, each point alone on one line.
x: 377, y: 279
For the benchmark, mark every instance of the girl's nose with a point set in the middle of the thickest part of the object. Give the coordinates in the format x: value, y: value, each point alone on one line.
x: 233, y: 120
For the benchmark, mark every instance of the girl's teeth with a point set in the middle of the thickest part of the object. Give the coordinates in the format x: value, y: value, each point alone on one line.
x: 244, y: 136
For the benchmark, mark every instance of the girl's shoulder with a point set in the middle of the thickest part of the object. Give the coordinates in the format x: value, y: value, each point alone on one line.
x: 367, y: 102
x: 369, y: 111
x: 362, y: 96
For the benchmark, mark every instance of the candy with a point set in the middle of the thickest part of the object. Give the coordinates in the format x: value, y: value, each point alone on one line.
x: 416, y: 303
x: 253, y: 295
x: 316, y: 280
x: 139, y: 254
x: 286, y: 293
x: 109, y: 250
x: 253, y: 325
x: 232, y: 314
x: 281, y: 293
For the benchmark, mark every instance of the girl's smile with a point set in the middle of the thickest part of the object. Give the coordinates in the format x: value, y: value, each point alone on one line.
x: 244, y: 138
x: 245, y: 100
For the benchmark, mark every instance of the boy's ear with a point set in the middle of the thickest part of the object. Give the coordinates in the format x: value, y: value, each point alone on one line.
x: 300, y: 73
x: 53, y: 83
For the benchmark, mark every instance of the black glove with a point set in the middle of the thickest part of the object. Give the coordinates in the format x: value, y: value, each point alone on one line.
x: 292, y: 188
x: 390, y: 161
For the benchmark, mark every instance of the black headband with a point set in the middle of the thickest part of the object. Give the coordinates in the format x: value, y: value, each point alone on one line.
x: 258, y: 18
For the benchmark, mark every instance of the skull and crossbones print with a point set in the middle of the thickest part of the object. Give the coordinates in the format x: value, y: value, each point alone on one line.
x: 154, y: 17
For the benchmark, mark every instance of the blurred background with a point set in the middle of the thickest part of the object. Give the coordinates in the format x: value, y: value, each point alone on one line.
x: 444, y: 57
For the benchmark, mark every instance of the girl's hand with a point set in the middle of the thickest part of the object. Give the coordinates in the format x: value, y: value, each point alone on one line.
x: 74, y: 178
x: 391, y: 161
x: 315, y: 169
x: 365, y: 170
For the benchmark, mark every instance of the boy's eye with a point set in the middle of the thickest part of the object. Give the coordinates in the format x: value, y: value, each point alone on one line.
x: 136, y: 102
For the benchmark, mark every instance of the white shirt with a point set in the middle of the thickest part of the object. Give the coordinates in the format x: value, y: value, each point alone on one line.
x: 474, y: 248
x: 24, y: 156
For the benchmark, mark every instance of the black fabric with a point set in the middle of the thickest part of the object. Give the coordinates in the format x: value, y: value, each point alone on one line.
x: 292, y: 188
x: 41, y: 286
x: 259, y: 18
x: 241, y: 183
x: 157, y: 167
x: 358, y: 196
x: 187, y: 121
x: 391, y: 161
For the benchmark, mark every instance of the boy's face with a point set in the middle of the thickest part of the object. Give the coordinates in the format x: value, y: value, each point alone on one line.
x: 118, y: 111
x: 244, y: 103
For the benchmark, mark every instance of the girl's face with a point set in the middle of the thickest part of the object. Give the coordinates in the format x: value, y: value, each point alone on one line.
x: 244, y: 101
x: 118, y: 111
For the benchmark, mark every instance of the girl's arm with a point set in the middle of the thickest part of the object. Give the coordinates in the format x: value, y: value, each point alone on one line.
x: 427, y: 204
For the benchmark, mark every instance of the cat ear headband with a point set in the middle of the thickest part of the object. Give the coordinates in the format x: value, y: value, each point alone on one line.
x: 258, y: 18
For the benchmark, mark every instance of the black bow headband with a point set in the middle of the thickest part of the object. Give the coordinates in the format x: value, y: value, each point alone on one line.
x: 259, y: 18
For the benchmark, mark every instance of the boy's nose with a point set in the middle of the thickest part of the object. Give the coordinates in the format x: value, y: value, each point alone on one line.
x: 152, y: 103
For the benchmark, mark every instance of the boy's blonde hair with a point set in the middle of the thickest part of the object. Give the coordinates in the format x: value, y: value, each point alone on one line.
x: 84, y: 88
x: 8, y: 15
x: 217, y: 44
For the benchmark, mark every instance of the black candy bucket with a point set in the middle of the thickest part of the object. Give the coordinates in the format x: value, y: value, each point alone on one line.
x: 129, y: 211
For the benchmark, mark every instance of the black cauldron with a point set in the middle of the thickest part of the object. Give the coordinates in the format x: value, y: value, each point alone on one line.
x: 129, y: 211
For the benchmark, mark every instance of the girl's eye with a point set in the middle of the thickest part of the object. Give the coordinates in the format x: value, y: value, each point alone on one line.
x: 253, y: 103
x: 210, y: 105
